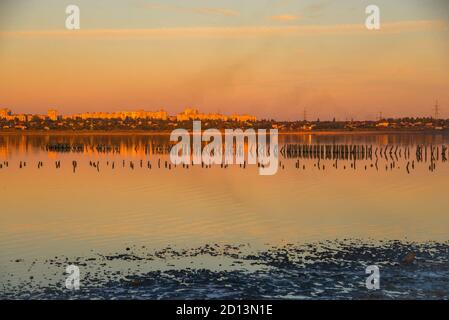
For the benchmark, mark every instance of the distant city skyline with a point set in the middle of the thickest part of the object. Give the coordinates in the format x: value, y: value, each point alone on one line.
x: 435, y: 111
x: 187, y: 114
x: 266, y: 58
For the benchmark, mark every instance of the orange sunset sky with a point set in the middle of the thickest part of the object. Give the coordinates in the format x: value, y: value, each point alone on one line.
x: 268, y: 58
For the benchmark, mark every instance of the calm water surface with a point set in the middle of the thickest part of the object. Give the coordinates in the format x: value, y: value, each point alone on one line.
x: 115, y: 213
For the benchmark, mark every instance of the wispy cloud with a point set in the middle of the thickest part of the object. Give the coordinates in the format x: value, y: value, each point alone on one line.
x: 316, y: 9
x: 284, y: 18
x: 204, y: 11
x: 236, y: 32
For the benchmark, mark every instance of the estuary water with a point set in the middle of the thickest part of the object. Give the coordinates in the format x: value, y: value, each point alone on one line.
x: 139, y: 227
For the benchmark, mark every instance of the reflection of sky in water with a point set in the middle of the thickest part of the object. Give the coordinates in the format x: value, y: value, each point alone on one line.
x: 50, y: 212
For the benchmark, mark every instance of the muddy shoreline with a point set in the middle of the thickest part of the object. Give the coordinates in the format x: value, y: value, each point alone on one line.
x: 324, y: 270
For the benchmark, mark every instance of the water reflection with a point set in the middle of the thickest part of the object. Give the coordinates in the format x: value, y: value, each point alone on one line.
x: 378, y: 151
x: 126, y: 194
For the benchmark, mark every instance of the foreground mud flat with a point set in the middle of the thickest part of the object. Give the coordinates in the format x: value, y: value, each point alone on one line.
x: 324, y: 270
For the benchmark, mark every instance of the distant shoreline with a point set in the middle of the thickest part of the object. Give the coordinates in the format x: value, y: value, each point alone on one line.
x: 162, y: 133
